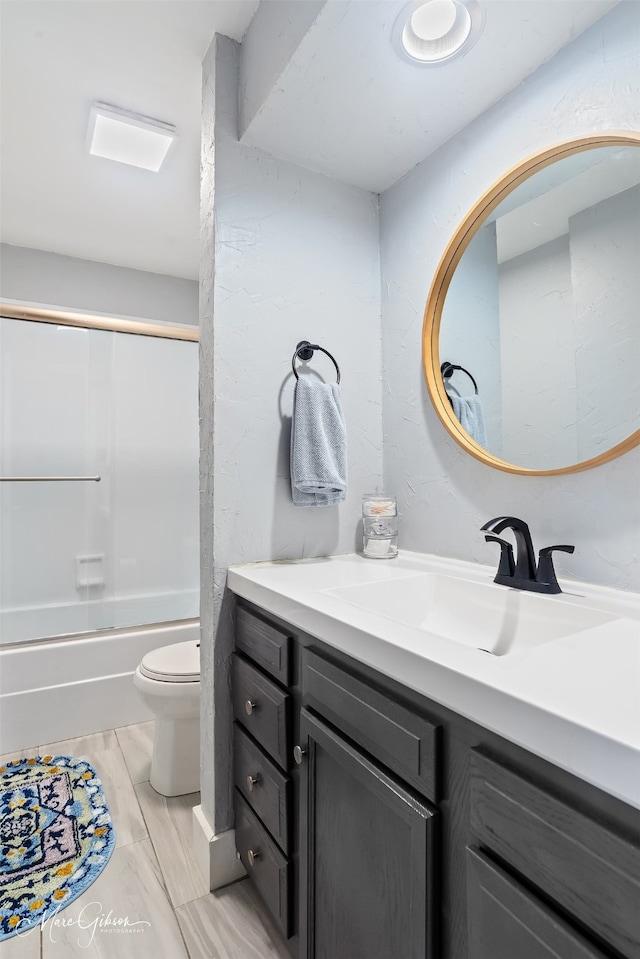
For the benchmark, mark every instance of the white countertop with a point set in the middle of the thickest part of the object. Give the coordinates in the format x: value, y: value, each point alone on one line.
x: 574, y: 701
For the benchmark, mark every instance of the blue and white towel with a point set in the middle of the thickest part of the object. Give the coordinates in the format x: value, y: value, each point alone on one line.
x: 469, y: 411
x: 318, y: 444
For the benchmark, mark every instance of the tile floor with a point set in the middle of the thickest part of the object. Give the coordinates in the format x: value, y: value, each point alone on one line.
x: 151, y: 876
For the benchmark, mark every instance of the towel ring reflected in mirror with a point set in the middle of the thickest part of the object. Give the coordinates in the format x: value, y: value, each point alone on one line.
x: 621, y: 163
x: 448, y: 369
x: 305, y: 350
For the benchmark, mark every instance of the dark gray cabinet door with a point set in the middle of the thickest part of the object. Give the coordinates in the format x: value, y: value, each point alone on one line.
x: 366, y: 857
x: 592, y: 872
x: 507, y: 922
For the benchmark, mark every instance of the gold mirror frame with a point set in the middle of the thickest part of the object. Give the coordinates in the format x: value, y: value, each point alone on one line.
x: 440, y: 286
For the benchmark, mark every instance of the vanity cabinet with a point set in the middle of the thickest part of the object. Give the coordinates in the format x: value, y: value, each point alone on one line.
x: 263, y: 712
x: 409, y: 832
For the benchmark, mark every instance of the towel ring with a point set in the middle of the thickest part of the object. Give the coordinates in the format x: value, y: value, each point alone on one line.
x: 447, y: 370
x: 304, y: 351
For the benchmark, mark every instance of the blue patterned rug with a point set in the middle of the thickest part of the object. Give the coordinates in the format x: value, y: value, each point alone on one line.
x: 56, y: 837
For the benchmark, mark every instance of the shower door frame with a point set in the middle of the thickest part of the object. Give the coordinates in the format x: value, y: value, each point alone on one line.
x: 91, y: 321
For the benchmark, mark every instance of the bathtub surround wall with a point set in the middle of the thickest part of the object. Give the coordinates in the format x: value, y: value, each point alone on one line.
x: 70, y: 283
x: 287, y: 254
x: 445, y: 494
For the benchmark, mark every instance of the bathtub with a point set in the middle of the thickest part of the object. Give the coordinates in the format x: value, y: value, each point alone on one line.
x: 55, y: 689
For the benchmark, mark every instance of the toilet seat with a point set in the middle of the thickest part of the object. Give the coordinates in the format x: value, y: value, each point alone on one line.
x: 178, y: 663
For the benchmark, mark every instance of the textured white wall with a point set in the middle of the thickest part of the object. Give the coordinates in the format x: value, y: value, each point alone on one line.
x: 444, y: 494
x: 296, y: 256
x: 274, y: 34
x: 68, y: 282
x: 605, y: 263
x: 538, y: 349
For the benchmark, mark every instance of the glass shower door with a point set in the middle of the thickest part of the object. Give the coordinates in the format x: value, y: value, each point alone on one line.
x: 78, y: 554
x: 44, y: 524
x: 152, y: 482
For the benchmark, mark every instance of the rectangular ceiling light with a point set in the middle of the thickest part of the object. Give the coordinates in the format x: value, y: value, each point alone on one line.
x: 129, y: 137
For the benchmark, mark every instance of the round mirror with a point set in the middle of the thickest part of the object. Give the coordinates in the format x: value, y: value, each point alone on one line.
x: 531, y: 342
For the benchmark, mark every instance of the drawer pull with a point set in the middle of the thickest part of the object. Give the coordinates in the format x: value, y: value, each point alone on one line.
x: 249, y: 707
x: 252, y: 781
x: 298, y: 753
x: 252, y: 855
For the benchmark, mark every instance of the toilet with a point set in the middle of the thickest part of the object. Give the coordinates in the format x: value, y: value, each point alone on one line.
x: 168, y: 679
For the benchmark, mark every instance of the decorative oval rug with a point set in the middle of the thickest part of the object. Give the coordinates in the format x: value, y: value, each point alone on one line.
x: 56, y: 837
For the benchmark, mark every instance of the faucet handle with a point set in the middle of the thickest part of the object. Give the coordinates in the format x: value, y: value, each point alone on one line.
x: 506, y: 566
x: 546, y: 574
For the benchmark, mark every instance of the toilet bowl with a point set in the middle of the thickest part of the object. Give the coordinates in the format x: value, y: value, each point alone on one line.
x: 168, y: 680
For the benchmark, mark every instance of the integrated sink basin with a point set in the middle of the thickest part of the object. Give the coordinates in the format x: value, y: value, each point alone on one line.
x: 492, y: 618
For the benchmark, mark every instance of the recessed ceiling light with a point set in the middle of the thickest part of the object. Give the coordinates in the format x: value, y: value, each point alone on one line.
x: 129, y: 137
x: 436, y: 31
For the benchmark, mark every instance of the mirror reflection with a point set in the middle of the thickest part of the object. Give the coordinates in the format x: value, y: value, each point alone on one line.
x: 542, y: 313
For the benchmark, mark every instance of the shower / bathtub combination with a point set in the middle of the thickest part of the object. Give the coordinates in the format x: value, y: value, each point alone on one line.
x: 99, y: 544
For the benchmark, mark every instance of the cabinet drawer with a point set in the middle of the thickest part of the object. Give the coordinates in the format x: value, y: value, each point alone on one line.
x: 265, y: 644
x: 506, y: 921
x: 262, y: 708
x: 269, y: 869
x: 589, y: 870
x: 264, y: 787
x: 401, y: 739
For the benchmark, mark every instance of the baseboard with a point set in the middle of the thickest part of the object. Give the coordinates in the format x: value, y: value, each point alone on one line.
x: 216, y: 856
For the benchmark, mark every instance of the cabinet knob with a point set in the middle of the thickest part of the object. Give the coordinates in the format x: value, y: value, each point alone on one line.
x: 298, y: 753
x: 249, y: 707
x: 252, y: 781
x: 252, y: 855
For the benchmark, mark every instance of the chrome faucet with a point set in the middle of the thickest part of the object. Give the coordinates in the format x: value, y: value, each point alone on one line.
x: 523, y: 573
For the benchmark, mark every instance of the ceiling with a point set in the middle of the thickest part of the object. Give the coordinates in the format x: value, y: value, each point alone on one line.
x: 343, y: 103
x: 347, y: 105
x: 57, y: 57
